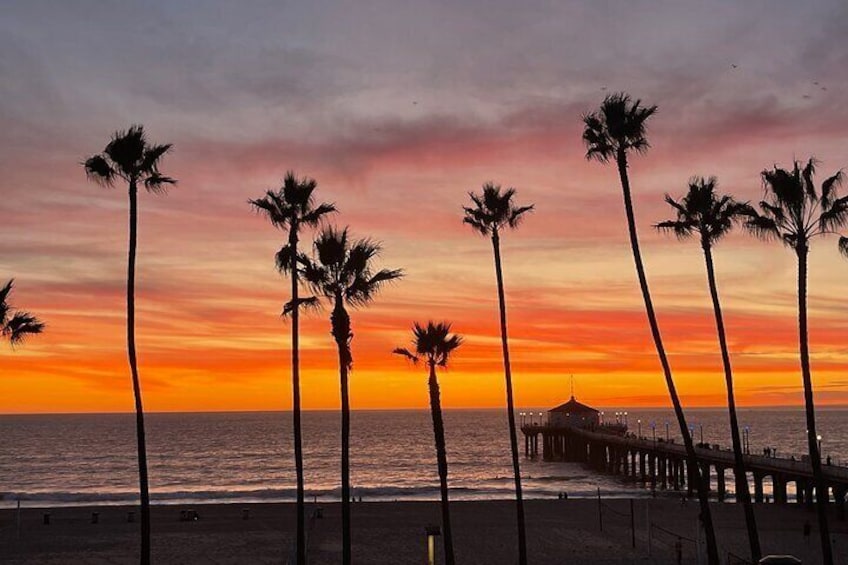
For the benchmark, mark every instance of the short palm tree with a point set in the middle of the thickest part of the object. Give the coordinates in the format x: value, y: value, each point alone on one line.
x: 130, y: 158
x: 434, y: 344
x: 16, y: 325
x: 615, y: 130
x: 709, y: 216
x: 291, y: 208
x: 492, y: 212
x: 794, y: 211
x: 342, y: 272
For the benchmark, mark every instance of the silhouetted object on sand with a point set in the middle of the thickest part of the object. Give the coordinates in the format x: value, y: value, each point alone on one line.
x: 130, y: 158
x: 434, y: 344
x: 794, y: 212
x: 342, y: 272
x: 492, y: 212
x: 291, y: 208
x: 709, y: 216
x: 611, y: 133
x: 16, y: 325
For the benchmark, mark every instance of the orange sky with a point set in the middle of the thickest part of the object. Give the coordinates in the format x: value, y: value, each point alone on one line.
x: 397, y: 128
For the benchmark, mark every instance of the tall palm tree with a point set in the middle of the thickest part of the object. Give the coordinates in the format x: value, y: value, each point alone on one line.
x: 16, y: 325
x: 615, y: 130
x: 342, y: 272
x: 131, y: 158
x: 710, y: 216
x: 492, y: 212
x: 795, y: 212
x: 435, y: 345
x: 290, y: 208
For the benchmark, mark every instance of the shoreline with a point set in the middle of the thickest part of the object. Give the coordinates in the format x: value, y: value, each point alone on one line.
x: 484, y: 532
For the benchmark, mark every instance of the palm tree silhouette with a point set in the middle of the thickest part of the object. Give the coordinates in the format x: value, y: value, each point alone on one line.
x: 290, y: 208
x: 710, y: 217
x: 16, y: 325
x: 342, y: 272
x: 795, y: 212
x: 615, y: 130
x: 492, y: 212
x: 435, y: 344
x: 130, y: 158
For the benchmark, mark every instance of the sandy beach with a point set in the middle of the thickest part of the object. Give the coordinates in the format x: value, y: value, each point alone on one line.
x: 393, y: 532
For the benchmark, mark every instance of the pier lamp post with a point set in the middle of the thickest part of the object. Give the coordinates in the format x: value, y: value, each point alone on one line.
x: 818, y: 438
x: 747, y: 440
x: 625, y: 418
x: 692, y: 430
x: 654, y: 431
x: 667, y: 438
x: 431, y: 532
x: 540, y: 419
x: 702, y: 432
x: 639, y: 421
x: 602, y: 417
x: 522, y: 417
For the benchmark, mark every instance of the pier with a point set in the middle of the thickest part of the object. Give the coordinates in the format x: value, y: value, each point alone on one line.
x: 574, y: 432
x: 663, y: 464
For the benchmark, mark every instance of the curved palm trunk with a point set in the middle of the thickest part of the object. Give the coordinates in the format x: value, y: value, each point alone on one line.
x: 144, y: 488
x: 442, y: 461
x: 743, y: 493
x: 298, y: 439
x: 340, y: 321
x: 822, y: 495
x: 703, y: 485
x: 510, y: 406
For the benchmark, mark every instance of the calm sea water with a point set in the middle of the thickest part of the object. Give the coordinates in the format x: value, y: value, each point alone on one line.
x: 219, y: 457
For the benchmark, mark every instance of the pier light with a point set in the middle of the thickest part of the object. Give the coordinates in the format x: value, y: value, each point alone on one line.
x: 540, y: 418
x: 819, y: 438
x: 639, y: 421
x: 625, y: 418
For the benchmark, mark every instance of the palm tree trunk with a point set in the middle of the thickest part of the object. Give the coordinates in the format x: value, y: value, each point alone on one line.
x: 442, y: 461
x: 340, y: 321
x: 510, y: 405
x: 703, y: 485
x: 743, y: 493
x: 298, y: 439
x: 144, y: 488
x: 822, y: 495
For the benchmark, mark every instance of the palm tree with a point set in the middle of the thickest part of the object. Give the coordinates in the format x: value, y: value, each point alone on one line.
x: 130, y: 158
x: 291, y: 207
x: 491, y: 213
x: 711, y: 216
x: 795, y: 212
x: 435, y: 344
x: 615, y: 130
x: 16, y: 325
x: 342, y: 272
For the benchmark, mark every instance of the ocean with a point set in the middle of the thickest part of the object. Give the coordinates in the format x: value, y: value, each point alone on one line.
x: 55, y: 460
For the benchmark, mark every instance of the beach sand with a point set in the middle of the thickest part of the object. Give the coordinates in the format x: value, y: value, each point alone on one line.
x: 559, y: 531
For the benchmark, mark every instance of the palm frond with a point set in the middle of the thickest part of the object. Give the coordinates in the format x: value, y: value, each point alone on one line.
x: 22, y: 325
x: 307, y: 303
x: 405, y: 353
x: 158, y: 183
x: 98, y: 169
x: 843, y: 245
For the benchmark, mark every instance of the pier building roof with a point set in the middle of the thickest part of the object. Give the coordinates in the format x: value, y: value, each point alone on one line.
x: 574, y: 407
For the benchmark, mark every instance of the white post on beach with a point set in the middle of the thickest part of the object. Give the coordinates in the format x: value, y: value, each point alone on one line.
x: 648, y: 522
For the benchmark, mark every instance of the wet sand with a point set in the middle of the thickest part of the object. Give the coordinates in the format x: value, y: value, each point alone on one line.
x: 393, y: 532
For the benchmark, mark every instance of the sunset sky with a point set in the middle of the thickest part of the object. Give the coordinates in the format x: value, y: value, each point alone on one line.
x: 399, y: 109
